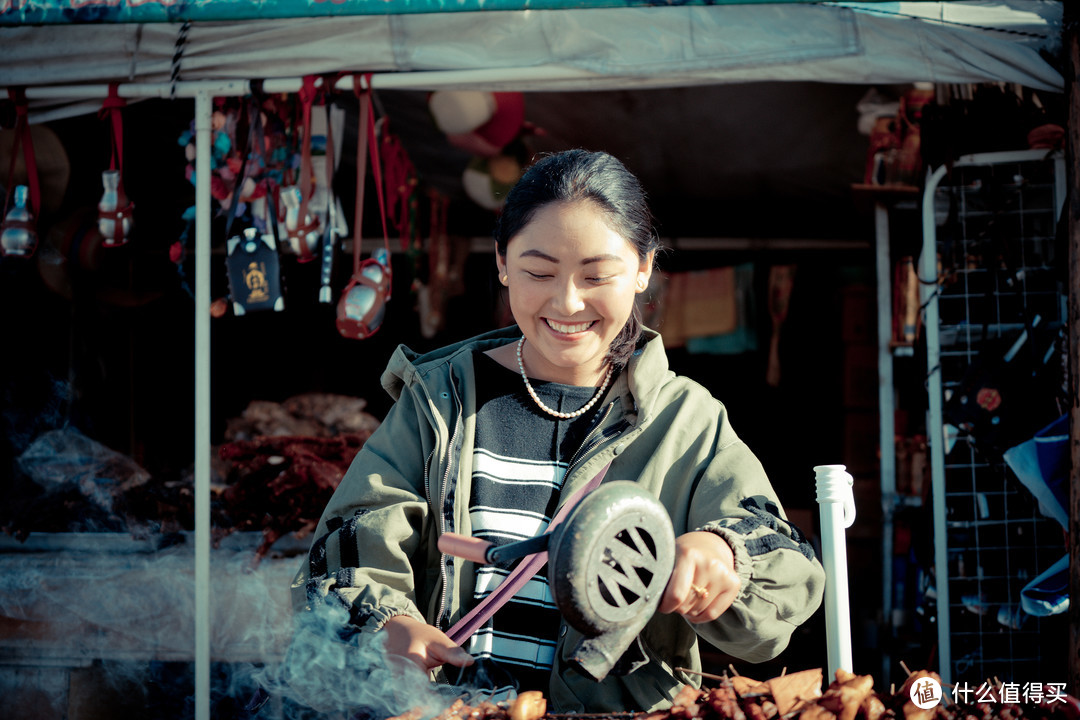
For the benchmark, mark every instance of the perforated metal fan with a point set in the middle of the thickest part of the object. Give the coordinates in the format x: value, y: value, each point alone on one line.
x: 608, y: 565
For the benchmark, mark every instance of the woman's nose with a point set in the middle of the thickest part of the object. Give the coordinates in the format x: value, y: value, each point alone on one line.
x: 568, y: 299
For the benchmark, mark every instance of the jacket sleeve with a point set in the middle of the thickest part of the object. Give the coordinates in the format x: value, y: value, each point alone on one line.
x: 782, y: 582
x: 361, y: 557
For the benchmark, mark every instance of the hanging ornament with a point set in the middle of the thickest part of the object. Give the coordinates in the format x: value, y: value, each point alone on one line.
x: 482, y: 123
x: 362, y: 306
x: 487, y: 180
x: 18, y: 231
x: 18, y: 236
x: 303, y: 233
x: 114, y: 208
x: 254, y: 272
x: 301, y: 227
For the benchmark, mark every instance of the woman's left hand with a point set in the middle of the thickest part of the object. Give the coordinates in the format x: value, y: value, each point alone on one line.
x: 703, y: 584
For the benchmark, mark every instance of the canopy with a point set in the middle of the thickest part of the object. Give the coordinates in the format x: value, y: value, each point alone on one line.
x: 1012, y: 41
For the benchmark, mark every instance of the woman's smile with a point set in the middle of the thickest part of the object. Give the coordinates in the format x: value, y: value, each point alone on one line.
x: 567, y: 328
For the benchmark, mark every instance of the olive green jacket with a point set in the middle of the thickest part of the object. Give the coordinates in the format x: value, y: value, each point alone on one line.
x: 375, y: 546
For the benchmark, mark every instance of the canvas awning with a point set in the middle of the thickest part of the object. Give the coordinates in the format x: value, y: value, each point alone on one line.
x: 566, y: 49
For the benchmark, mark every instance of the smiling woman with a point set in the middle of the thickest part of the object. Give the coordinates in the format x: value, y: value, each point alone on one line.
x: 572, y: 279
x: 495, y: 436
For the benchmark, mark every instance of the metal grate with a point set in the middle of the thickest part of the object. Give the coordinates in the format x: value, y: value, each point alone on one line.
x: 994, y: 227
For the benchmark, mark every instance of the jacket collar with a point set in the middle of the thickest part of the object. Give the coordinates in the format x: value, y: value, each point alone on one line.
x: 646, y: 372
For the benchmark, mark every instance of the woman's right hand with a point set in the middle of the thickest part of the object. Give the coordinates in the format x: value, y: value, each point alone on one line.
x: 426, y: 645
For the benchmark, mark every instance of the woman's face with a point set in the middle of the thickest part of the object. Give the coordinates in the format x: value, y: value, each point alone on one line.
x: 572, y: 281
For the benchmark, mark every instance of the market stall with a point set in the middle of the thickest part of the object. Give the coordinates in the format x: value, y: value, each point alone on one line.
x: 70, y: 60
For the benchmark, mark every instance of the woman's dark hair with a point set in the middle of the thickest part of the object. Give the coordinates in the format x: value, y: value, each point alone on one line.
x: 575, y: 175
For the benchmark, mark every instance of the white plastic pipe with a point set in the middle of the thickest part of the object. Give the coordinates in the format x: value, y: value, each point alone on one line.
x: 837, y: 507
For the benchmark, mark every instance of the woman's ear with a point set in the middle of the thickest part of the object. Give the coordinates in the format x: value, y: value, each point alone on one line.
x: 500, y: 263
x: 645, y: 272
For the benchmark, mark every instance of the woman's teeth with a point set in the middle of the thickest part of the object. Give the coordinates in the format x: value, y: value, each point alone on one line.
x: 569, y: 329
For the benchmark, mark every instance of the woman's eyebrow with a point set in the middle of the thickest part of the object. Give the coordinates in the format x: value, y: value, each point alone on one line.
x: 607, y: 257
x: 538, y: 254
x: 602, y: 258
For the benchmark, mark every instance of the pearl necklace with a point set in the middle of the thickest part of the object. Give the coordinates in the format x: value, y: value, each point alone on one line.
x: 545, y: 408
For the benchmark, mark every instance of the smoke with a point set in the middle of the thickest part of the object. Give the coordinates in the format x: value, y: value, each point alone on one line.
x: 126, y: 608
x: 327, y: 672
x: 110, y: 596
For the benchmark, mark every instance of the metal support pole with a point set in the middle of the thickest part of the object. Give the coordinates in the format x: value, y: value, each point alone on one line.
x: 887, y: 431
x: 203, y: 112
x: 935, y: 425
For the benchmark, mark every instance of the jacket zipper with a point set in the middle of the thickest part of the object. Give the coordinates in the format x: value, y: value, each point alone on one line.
x: 442, y: 517
x: 589, y: 444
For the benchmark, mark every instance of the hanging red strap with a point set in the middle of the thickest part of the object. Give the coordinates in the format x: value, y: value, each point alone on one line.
x: 23, y: 138
x: 361, y: 168
x: 329, y: 154
x: 365, y: 139
x: 307, y: 99
x: 111, y: 109
x: 376, y: 170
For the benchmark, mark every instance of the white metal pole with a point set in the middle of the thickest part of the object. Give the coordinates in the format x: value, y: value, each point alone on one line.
x: 203, y: 113
x: 935, y: 427
x: 836, y: 505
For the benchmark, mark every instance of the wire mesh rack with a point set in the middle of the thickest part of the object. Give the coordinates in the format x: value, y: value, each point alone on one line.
x: 993, y: 359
